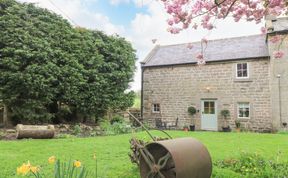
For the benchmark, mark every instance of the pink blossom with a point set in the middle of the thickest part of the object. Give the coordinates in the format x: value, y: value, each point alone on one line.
x: 173, y: 30
x: 170, y: 22
x: 185, y: 11
x: 209, y: 26
x: 274, y: 3
x: 190, y: 45
x: 176, y: 19
x: 200, y: 56
x: 195, y: 26
x: 278, y: 54
x: 185, y: 25
x: 263, y: 30
x: 275, y: 39
x: 204, y: 40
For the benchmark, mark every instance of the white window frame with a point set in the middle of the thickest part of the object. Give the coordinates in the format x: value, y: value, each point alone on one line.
x: 238, y: 110
x: 153, y: 108
x: 248, y: 70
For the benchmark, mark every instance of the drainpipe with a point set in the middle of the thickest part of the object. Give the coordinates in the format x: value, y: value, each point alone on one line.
x: 280, y: 101
x: 142, y: 72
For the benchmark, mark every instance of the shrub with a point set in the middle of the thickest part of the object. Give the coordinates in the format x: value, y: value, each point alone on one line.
x: 237, y: 123
x: 106, y: 127
x: 283, y: 132
x: 116, y: 119
x: 192, y: 110
x: 77, y: 130
x: 254, y: 165
x: 225, y: 113
x: 115, y: 128
x: 121, y: 128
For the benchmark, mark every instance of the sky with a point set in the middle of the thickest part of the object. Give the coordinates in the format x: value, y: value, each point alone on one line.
x: 139, y: 21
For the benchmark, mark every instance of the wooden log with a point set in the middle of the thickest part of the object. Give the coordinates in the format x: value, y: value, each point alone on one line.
x: 35, y: 131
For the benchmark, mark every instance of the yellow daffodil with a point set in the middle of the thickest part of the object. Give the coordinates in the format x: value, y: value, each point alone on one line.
x: 34, y: 169
x: 24, y: 169
x: 94, y: 156
x: 77, y: 164
x: 52, y: 160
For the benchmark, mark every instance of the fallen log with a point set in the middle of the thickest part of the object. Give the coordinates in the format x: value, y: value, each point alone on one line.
x: 35, y: 131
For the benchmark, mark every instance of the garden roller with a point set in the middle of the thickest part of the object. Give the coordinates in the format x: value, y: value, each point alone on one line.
x: 173, y: 158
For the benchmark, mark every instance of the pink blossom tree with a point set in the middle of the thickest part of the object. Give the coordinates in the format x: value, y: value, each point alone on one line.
x: 183, y: 14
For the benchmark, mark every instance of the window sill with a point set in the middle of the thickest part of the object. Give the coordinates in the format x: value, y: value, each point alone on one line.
x: 243, y: 119
x: 243, y: 80
x: 155, y: 112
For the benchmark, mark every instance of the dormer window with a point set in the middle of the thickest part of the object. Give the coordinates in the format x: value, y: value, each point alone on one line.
x: 242, y: 70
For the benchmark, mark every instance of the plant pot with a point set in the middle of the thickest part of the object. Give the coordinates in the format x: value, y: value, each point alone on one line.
x: 237, y: 129
x: 192, y: 127
x: 226, y: 129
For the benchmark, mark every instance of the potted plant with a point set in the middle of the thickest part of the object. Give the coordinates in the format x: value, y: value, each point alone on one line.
x: 225, y: 113
x: 185, y: 128
x: 238, y: 125
x: 192, y: 111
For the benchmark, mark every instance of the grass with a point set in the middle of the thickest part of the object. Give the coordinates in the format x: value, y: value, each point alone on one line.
x: 111, y: 151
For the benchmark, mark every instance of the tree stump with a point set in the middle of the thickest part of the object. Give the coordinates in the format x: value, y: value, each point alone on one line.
x: 35, y: 131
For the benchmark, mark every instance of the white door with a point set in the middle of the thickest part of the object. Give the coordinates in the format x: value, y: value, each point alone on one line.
x: 209, y: 115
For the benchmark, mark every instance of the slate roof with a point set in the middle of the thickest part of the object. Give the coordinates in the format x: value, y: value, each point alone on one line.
x: 217, y: 50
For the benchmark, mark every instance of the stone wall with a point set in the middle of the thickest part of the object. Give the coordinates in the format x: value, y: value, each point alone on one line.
x: 279, y: 76
x: 176, y: 88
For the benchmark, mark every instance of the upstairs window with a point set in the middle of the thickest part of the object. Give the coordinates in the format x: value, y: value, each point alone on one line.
x: 242, y: 70
x: 156, y: 108
x: 243, y: 110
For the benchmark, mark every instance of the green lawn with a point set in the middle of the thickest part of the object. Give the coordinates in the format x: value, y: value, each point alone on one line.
x: 112, y: 150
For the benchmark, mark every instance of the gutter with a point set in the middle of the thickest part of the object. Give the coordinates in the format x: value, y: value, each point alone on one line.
x: 207, y: 62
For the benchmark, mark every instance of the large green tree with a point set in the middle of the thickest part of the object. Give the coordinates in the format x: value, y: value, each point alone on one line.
x: 47, y: 64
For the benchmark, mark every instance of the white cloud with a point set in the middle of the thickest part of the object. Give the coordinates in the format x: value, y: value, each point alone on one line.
x: 138, y: 3
x: 80, y: 15
x: 141, y: 3
x: 116, y: 2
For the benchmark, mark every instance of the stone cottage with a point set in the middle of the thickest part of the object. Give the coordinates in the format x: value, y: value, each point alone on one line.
x: 240, y: 75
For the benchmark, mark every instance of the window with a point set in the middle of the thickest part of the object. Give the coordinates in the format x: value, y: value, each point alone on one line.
x: 209, y: 107
x: 156, y: 108
x: 243, y: 110
x: 242, y: 70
